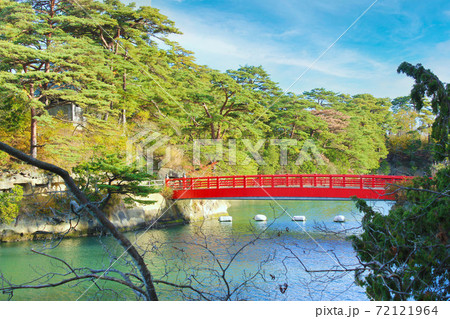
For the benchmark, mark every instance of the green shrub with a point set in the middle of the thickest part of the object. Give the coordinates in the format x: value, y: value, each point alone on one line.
x: 9, y: 204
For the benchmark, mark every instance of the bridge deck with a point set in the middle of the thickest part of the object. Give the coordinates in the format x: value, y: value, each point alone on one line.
x: 285, y: 186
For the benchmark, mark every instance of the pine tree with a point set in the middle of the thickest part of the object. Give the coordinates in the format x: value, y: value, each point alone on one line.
x: 44, y: 66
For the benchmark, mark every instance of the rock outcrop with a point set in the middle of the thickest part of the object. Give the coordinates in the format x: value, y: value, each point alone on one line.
x: 162, y: 213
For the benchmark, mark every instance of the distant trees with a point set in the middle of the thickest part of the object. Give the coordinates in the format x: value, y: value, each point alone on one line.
x: 409, y: 141
x: 221, y: 105
x: 116, y: 62
x: 349, y: 132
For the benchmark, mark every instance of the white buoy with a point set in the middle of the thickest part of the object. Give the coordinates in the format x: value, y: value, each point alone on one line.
x: 225, y: 219
x: 260, y: 218
x: 339, y: 219
x: 299, y: 218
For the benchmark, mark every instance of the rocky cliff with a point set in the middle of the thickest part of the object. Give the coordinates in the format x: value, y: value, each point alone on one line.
x: 161, y: 213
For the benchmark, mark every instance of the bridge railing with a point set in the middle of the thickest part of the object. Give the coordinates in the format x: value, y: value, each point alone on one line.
x: 298, y: 181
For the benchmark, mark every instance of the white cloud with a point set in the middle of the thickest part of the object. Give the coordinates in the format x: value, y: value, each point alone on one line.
x: 438, y: 61
x: 345, y: 70
x: 296, y: 33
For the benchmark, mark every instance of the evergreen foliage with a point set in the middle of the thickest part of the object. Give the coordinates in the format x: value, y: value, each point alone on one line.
x: 427, y: 84
x: 406, y: 252
x: 101, y: 177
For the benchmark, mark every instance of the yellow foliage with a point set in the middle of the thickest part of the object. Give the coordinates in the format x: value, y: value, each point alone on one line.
x: 167, y: 192
x: 9, y: 204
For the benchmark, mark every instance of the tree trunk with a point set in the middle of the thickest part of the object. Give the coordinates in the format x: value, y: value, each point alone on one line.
x: 124, y: 120
x: 292, y: 131
x: 211, y: 125
x: 218, y: 132
x: 33, y: 133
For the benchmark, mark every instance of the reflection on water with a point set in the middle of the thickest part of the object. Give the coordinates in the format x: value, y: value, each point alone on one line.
x: 289, y: 261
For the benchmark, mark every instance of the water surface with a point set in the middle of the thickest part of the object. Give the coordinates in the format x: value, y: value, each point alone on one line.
x: 274, y: 260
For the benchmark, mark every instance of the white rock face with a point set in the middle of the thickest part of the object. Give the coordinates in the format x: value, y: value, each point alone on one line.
x: 193, y: 210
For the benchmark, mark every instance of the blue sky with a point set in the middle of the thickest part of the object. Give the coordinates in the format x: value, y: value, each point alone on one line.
x: 286, y: 36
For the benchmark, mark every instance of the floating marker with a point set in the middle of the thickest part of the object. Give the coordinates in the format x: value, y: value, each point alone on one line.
x: 339, y: 219
x: 299, y: 218
x: 225, y: 219
x: 260, y: 218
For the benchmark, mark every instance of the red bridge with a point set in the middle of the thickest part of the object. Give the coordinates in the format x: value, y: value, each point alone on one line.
x: 321, y: 187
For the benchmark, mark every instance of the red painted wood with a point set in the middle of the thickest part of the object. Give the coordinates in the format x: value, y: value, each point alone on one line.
x: 285, y: 186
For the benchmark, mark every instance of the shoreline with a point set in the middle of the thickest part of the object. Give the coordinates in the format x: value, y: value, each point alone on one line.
x: 162, y: 213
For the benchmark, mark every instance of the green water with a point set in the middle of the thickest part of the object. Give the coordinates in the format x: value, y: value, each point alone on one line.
x: 192, y: 253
